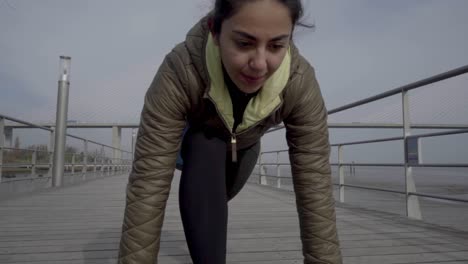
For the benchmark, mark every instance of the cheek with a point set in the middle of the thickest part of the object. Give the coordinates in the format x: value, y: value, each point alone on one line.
x: 234, y: 61
x: 275, y: 62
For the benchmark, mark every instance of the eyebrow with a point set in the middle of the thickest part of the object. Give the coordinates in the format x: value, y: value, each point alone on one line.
x: 247, y: 35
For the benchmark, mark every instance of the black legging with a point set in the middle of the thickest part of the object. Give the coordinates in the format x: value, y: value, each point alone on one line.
x: 209, y: 180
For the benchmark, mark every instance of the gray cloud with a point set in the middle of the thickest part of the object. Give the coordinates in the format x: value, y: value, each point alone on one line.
x: 359, y: 49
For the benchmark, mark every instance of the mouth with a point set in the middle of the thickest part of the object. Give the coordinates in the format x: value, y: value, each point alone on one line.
x: 252, y: 80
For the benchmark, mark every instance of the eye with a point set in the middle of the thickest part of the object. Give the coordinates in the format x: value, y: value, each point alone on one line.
x: 243, y: 44
x: 276, y: 46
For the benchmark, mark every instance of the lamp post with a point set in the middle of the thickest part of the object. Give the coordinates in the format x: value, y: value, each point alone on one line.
x: 61, y: 121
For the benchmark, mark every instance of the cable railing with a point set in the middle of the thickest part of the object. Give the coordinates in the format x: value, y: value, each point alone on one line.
x: 410, y: 151
x: 32, y: 164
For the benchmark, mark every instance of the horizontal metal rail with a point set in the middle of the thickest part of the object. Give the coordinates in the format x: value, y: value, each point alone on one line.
x: 22, y: 165
x: 353, y: 143
x: 458, y: 131
x: 104, y: 145
x: 368, y: 141
x: 14, y: 165
x: 274, y: 129
x: 51, y: 130
x: 83, y: 125
x: 32, y: 150
x: 273, y: 176
x: 404, y: 88
x: 440, y: 165
x: 7, y: 180
x: 276, y: 164
x: 25, y: 123
x: 330, y: 125
x: 277, y: 151
x: 76, y: 174
x: 433, y: 165
x: 370, y: 188
x: 273, y: 151
x: 398, y: 90
x: 396, y: 126
x: 386, y: 126
x: 440, y: 197
x: 369, y: 164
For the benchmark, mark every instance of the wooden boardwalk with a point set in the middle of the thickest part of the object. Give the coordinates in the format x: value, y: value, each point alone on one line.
x: 81, y: 225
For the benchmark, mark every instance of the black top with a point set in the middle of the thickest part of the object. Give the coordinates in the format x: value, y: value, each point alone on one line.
x: 239, y: 99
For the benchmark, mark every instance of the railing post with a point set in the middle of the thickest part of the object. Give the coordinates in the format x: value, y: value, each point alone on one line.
x: 102, y: 155
x: 8, y: 140
x: 50, y: 152
x: 263, y: 180
x: 52, y: 139
x: 2, y: 144
x: 413, y: 210
x: 95, y: 165
x: 116, y: 143
x: 278, y: 170
x: 85, y: 157
x: 34, y: 163
x: 102, y: 166
x: 341, y: 173
x: 106, y: 167
x: 61, y: 121
x: 352, y: 169
x: 73, y: 164
x: 259, y: 162
x: 133, y: 142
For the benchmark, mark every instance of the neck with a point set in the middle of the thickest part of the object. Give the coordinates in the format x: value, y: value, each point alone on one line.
x: 233, y: 87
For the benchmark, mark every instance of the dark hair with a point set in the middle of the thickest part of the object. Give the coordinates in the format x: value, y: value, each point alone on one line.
x: 224, y: 9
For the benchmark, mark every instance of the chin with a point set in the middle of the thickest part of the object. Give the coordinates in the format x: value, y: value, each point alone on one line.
x: 250, y: 89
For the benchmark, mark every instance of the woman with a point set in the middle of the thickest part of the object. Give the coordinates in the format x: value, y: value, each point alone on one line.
x: 236, y: 75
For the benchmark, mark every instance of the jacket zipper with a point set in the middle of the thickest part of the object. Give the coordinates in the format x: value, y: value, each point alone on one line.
x: 234, y: 139
x: 233, y: 133
x: 234, y: 147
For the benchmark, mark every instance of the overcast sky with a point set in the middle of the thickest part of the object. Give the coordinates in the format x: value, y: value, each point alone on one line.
x: 359, y: 48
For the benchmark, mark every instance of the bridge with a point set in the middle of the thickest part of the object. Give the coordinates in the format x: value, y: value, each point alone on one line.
x: 411, y: 211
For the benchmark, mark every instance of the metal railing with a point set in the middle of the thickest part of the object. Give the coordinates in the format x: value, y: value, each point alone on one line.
x: 30, y: 165
x: 412, y: 203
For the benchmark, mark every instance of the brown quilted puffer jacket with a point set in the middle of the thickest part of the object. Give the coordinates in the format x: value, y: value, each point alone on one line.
x: 184, y: 90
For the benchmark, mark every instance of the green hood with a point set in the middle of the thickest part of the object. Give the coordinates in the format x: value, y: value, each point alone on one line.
x: 259, y: 106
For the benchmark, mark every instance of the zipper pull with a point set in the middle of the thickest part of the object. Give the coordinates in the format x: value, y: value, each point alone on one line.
x: 234, y: 148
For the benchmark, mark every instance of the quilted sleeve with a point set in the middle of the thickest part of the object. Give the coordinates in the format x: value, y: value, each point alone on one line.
x: 158, y: 141
x: 309, y: 152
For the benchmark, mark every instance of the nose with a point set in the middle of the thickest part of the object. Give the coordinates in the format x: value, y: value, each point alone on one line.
x: 258, y: 61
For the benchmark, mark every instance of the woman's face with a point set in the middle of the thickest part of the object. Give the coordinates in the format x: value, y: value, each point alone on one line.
x: 254, y: 41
